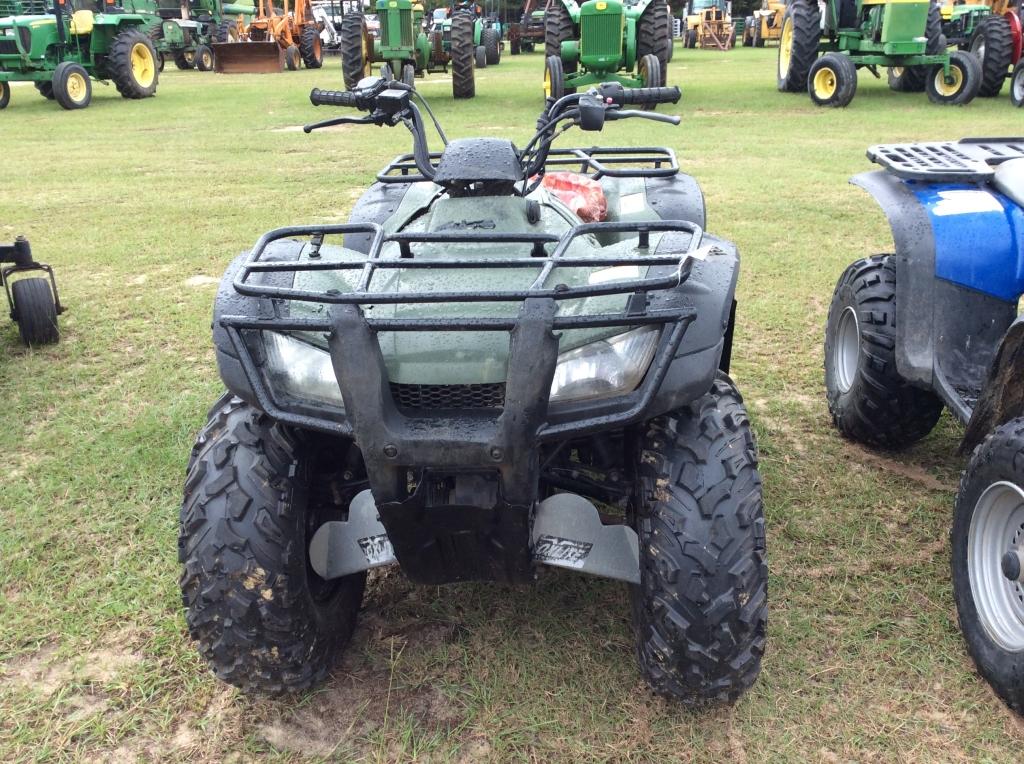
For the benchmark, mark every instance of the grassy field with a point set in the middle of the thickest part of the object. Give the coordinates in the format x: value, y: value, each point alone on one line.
x: 140, y: 205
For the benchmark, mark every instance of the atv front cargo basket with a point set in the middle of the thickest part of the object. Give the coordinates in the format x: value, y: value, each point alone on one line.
x: 969, y: 160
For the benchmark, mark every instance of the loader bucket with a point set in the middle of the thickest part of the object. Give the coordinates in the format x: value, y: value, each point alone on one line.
x: 247, y: 57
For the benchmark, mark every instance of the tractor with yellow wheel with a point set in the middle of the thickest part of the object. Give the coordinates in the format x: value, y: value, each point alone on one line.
x: 87, y: 42
x: 821, y: 56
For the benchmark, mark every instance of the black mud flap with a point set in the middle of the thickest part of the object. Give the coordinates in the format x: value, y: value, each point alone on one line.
x: 1002, y: 397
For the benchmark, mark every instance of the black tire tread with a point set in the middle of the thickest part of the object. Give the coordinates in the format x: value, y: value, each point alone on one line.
x: 119, y: 64
x: 652, y: 36
x: 558, y: 27
x: 998, y: 55
x: 806, y: 20
x: 353, y: 28
x: 36, y: 311
x: 308, y: 47
x: 463, y: 54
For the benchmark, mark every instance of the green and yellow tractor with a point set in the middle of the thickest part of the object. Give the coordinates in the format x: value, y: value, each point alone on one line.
x: 61, y: 48
x: 822, y: 56
x: 605, y: 41
x: 405, y: 49
x: 992, y: 31
x: 187, y: 30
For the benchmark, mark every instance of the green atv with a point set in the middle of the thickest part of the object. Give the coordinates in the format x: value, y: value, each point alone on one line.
x: 605, y: 37
x: 405, y: 49
x: 906, y: 37
x: 33, y: 300
x: 185, y: 33
x: 61, y: 48
x: 457, y: 379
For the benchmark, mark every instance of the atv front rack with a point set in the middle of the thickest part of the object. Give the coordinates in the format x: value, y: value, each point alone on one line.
x: 596, y: 162
x: 969, y: 160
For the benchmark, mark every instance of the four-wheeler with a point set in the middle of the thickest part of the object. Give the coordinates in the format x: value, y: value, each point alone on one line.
x: 765, y: 24
x: 60, y: 47
x: 33, y: 300
x: 277, y: 37
x: 709, y: 24
x: 904, y: 36
x: 934, y: 325
x: 528, y: 33
x: 406, y: 49
x: 992, y: 31
x: 457, y: 379
x: 605, y: 37
x: 186, y: 31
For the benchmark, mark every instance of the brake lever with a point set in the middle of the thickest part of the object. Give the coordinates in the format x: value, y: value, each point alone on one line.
x: 338, y: 121
x: 614, y: 114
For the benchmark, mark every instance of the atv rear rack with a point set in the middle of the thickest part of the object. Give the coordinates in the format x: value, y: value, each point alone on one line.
x: 969, y: 160
x: 537, y: 304
x: 596, y: 162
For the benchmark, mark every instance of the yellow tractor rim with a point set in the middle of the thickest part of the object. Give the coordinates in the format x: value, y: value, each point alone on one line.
x: 785, y: 48
x: 547, y: 82
x: 143, y: 65
x: 207, y: 60
x: 77, y: 87
x: 897, y: 71
x: 367, y: 64
x: 948, y: 89
x: 825, y: 83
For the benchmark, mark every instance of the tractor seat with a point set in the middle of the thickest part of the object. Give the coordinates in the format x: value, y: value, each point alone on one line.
x: 1009, y: 180
x: 81, y: 22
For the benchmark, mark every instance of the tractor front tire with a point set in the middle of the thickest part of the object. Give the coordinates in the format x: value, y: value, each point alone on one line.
x: 558, y: 27
x: 292, y: 58
x: 993, y: 45
x: 462, y: 52
x: 409, y: 75
x: 650, y: 72
x: 35, y: 311
x: 652, y: 38
x: 832, y: 80
x: 45, y: 89
x: 311, y: 47
x: 492, y: 46
x: 480, y: 57
x: 204, y: 58
x: 798, y: 45
x: 757, y: 39
x: 355, y: 50
x: 72, y: 88
x: 1017, y: 85
x: 966, y: 73
x: 554, y: 78
x: 985, y: 539
x: 185, y: 59
x: 691, y: 39
x: 132, y: 64
x: 868, y: 399
x: 5, y: 95
x: 700, y: 612
x: 263, y: 619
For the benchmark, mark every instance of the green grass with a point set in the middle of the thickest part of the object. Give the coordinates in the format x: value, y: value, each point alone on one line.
x: 130, y: 200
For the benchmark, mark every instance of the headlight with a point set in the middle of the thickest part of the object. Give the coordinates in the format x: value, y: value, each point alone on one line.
x: 606, y: 368
x: 301, y: 371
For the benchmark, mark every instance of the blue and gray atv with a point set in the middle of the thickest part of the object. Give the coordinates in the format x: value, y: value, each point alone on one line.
x: 471, y: 380
x: 935, y: 326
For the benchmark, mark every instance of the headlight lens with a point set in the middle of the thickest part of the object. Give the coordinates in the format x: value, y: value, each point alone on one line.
x: 606, y: 368
x: 300, y: 370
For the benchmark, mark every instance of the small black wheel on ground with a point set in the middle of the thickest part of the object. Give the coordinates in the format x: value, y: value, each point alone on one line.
x: 992, y: 43
x: 798, y: 44
x: 965, y: 79
x: 292, y: 58
x: 700, y: 613
x: 355, y: 49
x: 185, y: 59
x: 72, y: 88
x: 45, y: 89
x: 35, y: 311
x: 653, y: 30
x: 492, y: 46
x: 462, y: 53
x: 868, y: 399
x: 649, y: 72
x: 255, y: 494
x: 311, y: 47
x: 832, y: 80
x: 409, y: 75
x: 987, y: 542
x: 204, y: 58
x: 1017, y: 85
x: 132, y: 64
x: 558, y: 27
x: 554, y: 78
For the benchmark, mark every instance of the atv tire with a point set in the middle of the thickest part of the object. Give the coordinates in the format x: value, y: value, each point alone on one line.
x: 492, y: 46
x: 798, y: 45
x: 911, y: 79
x: 35, y: 311
x: 311, y: 47
x: 700, y: 612
x: 993, y: 45
x: 868, y: 399
x: 263, y: 620
x: 355, y: 55
x: 987, y: 522
x: 652, y: 36
x: 558, y: 28
x: 463, y: 52
x: 132, y: 64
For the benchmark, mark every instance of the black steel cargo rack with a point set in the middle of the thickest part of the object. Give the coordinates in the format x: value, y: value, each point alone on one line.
x: 969, y: 160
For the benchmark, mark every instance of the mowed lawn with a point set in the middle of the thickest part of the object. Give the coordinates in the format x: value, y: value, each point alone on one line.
x: 141, y: 204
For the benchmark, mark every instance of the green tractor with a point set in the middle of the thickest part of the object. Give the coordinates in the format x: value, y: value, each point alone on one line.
x: 990, y: 30
x: 187, y: 30
x: 61, y: 48
x: 904, y: 36
x: 592, y: 43
x: 405, y: 49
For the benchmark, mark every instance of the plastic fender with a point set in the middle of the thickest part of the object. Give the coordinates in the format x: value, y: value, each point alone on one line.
x: 1015, y: 30
x: 1002, y: 397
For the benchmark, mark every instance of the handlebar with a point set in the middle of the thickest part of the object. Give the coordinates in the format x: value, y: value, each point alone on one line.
x: 649, y: 96
x: 319, y: 97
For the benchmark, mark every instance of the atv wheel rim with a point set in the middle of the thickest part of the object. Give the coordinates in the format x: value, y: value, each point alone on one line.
x: 143, y: 65
x: 997, y: 527
x: 785, y: 49
x: 949, y: 89
x: 846, y: 355
x: 825, y: 83
x: 77, y: 87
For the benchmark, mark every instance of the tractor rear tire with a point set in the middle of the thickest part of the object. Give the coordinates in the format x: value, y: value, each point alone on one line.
x: 185, y: 59
x: 492, y: 46
x: 1017, y: 85
x: 558, y: 28
x: 45, y: 89
x: 691, y: 39
x: 868, y: 399
x: 993, y: 45
x: 35, y: 311
x: 132, y: 65
x: 292, y: 58
x: 649, y: 71
x: 912, y: 79
x: 480, y: 57
x: 311, y: 47
x: 204, y: 58
x: 5, y: 95
x: 700, y: 613
x: 355, y: 53
x: 462, y: 52
x: 72, y: 88
x: 554, y: 78
x: 409, y: 75
x: 263, y: 619
x: 832, y: 80
x: 798, y: 45
x: 227, y: 31
x: 652, y: 36
x: 966, y: 71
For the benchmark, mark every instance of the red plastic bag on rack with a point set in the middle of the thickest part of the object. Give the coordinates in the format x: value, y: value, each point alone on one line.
x: 581, y: 194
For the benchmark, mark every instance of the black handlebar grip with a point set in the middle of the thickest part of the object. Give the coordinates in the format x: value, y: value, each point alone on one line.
x: 650, y: 95
x: 319, y: 97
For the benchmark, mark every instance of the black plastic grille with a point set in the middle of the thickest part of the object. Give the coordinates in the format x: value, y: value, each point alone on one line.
x: 489, y: 395
x: 8, y: 48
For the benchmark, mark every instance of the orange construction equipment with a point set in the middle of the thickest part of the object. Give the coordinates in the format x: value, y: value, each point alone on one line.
x: 277, y: 37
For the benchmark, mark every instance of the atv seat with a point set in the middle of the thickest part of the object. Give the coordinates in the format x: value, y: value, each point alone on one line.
x: 1009, y: 180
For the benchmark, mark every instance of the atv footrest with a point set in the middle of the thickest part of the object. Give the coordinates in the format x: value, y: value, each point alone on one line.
x: 970, y: 160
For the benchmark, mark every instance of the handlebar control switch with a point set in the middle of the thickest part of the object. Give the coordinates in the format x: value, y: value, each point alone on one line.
x: 592, y: 112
